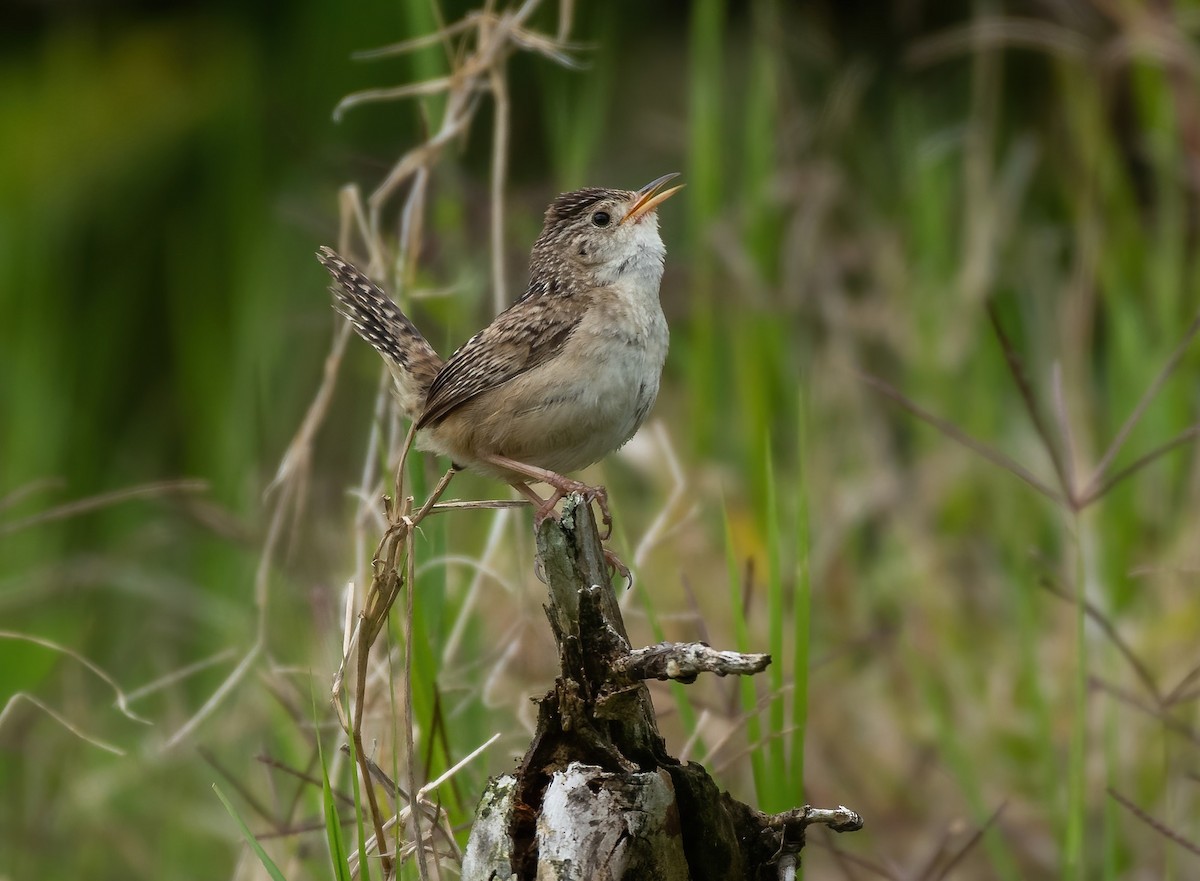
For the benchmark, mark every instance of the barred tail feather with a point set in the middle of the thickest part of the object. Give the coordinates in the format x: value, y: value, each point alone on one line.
x: 379, y: 321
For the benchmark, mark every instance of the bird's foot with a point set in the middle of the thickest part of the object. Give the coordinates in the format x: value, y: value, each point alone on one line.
x: 600, y: 495
x: 620, y: 568
x: 565, y: 486
x: 548, y: 511
x: 562, y: 486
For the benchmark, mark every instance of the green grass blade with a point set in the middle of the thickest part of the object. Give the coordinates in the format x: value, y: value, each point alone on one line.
x: 333, y: 827
x: 1111, y: 824
x: 268, y: 863
x: 706, y: 121
x: 687, y: 713
x: 779, y: 798
x: 706, y: 125
x: 1073, y: 844
x: 760, y: 163
x: 364, y: 870
x: 961, y: 760
x: 801, y: 606
x: 746, y: 683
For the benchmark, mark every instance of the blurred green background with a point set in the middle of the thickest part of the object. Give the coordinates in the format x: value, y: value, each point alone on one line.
x: 863, y: 181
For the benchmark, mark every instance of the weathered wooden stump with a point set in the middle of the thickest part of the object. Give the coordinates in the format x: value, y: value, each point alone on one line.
x: 597, y: 795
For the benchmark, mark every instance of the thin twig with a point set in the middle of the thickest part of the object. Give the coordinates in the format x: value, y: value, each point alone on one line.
x: 678, y: 498
x: 1095, y: 491
x: 60, y: 719
x: 310, y: 779
x: 499, y: 172
x: 409, y: 740
x: 1017, y: 368
x: 290, y: 479
x: 103, y: 500
x: 477, y: 48
x: 240, y: 788
x: 994, y: 32
x: 360, y: 756
x: 1180, y: 688
x: 1106, y: 626
x: 955, y: 433
x: 179, y: 674
x: 422, y: 42
x: 214, y: 700
x: 1164, y: 717
x: 970, y: 843
x: 482, y: 568
x: 482, y: 505
x: 1064, y: 431
x: 21, y: 493
x: 122, y: 701
x: 1135, y: 417
x: 458, y: 766
x: 367, y: 96
x: 435, y: 495
x: 566, y: 15
x: 1157, y: 825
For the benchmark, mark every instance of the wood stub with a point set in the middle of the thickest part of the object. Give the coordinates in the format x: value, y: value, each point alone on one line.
x: 597, y: 795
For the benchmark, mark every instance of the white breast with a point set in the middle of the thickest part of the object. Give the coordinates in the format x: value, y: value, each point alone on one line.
x: 589, y: 400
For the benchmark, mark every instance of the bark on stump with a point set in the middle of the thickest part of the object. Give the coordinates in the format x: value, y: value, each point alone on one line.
x: 597, y: 795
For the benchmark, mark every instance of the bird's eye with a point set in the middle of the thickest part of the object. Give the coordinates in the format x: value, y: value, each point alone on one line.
x: 601, y: 218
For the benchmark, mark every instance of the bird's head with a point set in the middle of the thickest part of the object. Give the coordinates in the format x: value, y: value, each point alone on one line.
x: 604, y: 233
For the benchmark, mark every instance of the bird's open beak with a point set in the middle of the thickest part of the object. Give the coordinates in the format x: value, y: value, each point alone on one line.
x: 648, y: 197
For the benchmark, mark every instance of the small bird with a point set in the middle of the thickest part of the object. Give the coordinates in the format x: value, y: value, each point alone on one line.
x: 560, y: 379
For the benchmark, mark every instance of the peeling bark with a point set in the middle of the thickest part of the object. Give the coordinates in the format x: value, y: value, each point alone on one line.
x: 684, y: 661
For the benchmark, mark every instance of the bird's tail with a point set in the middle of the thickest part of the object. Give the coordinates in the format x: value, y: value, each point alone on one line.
x: 379, y: 321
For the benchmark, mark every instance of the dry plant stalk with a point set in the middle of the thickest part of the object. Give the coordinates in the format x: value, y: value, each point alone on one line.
x: 477, y: 48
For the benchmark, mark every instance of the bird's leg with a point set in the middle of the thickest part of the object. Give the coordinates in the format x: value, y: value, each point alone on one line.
x: 542, y: 508
x: 563, y: 486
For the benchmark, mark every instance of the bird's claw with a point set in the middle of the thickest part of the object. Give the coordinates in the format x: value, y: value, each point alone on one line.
x: 600, y: 495
x: 620, y: 568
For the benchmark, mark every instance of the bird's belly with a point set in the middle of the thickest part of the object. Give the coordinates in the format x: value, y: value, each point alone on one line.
x: 558, y: 416
x: 570, y: 423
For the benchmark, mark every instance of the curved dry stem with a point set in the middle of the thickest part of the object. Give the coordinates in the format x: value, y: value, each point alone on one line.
x: 103, y: 500
x: 60, y: 719
x: 499, y: 86
x: 122, y: 701
x: 477, y: 48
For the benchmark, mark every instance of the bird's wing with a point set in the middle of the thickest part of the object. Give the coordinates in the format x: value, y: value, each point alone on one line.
x: 528, y: 333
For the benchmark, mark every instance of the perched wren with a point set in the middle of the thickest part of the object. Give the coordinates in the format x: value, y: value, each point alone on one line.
x: 562, y: 377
